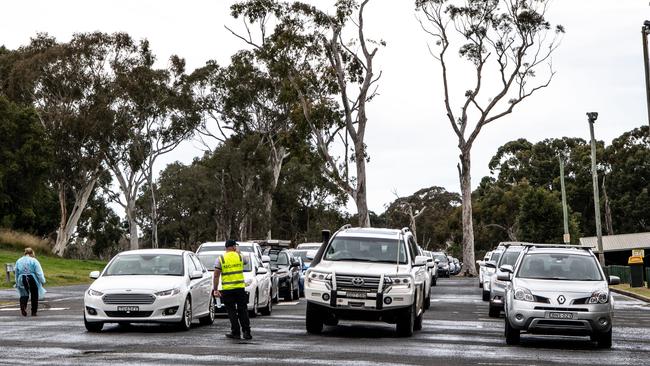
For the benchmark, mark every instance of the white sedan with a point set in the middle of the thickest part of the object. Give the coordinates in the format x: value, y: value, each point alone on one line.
x: 150, y: 286
x: 256, y: 277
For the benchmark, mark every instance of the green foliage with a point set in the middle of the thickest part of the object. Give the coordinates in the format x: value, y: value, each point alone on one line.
x: 540, y: 217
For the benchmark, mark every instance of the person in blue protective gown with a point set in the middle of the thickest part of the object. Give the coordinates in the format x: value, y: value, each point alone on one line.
x: 29, y: 281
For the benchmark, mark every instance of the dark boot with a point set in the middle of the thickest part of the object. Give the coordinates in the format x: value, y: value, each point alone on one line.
x: 247, y: 335
x: 233, y: 336
x: 23, y: 305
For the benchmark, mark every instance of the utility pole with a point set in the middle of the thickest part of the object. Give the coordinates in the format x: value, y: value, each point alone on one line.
x: 592, y: 116
x: 565, y: 210
x: 645, y: 30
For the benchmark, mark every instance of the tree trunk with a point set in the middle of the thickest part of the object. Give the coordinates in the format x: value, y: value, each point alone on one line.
x: 68, y: 224
x: 275, y: 166
x: 359, y: 196
x: 154, y: 217
x: 133, y: 226
x: 468, y: 226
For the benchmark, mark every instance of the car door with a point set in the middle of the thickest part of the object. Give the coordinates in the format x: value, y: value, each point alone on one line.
x: 197, y: 289
x: 263, y: 281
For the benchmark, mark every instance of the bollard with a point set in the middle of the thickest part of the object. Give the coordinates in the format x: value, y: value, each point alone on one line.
x: 9, y: 268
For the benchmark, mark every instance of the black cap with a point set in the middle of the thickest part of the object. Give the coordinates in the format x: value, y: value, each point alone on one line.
x: 230, y: 243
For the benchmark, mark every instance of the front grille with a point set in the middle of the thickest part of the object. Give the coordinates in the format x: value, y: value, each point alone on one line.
x: 581, y: 301
x: 129, y: 299
x: 350, y: 282
x: 561, y: 323
x: 542, y: 299
x: 560, y: 309
x: 129, y: 314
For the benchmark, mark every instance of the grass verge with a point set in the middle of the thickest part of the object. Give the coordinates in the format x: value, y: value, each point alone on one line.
x: 642, y: 291
x: 58, y: 271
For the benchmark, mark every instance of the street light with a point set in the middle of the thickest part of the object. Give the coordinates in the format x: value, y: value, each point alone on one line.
x: 592, y: 117
x: 645, y: 30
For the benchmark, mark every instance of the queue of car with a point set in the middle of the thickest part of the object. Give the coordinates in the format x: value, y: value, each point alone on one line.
x: 549, y: 289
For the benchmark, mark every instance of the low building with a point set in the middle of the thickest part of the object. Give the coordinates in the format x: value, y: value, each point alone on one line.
x: 618, y: 248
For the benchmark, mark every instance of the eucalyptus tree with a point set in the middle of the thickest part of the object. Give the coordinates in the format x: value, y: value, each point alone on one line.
x: 505, y: 40
x: 332, y: 74
x: 69, y: 86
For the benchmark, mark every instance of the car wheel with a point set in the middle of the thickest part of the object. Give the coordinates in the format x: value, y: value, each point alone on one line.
x: 289, y: 294
x: 209, y: 318
x: 93, y: 327
x: 434, y: 282
x: 513, y: 335
x: 253, y: 313
x: 417, y: 325
x: 486, y: 295
x: 269, y: 306
x: 604, y: 339
x: 313, y: 319
x: 494, y: 311
x: 406, y: 322
x: 480, y: 284
x: 296, y: 293
x: 427, y: 302
x: 276, y: 299
x: 186, y: 320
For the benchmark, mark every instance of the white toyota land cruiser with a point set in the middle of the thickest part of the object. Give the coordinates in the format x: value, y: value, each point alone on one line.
x: 367, y: 274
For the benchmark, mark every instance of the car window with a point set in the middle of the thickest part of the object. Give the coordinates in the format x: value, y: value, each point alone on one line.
x: 146, y: 264
x: 569, y: 267
x: 509, y: 257
x: 197, y: 263
x: 495, y: 257
x: 366, y: 250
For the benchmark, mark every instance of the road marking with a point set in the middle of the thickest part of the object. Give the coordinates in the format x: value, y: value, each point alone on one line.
x: 287, y: 303
x: 44, y: 309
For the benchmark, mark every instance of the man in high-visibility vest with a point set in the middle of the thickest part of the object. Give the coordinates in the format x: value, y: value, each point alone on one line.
x: 230, y: 267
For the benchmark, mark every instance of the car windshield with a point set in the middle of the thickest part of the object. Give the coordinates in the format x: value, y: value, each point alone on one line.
x: 441, y: 258
x: 495, y: 257
x: 146, y: 264
x: 278, y: 259
x: 302, y: 254
x: 510, y: 257
x: 222, y: 248
x: 210, y: 259
x: 552, y: 266
x: 366, y: 250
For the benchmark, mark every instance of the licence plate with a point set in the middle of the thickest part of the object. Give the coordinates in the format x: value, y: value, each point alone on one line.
x: 128, y: 308
x: 356, y: 295
x: 560, y: 315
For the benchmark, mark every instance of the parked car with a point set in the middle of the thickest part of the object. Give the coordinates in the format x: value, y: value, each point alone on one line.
x: 490, y: 269
x: 434, y: 274
x: 558, y: 290
x: 430, y: 266
x: 287, y: 270
x: 244, y: 247
x: 481, y: 268
x: 458, y: 265
x: 497, y: 287
x: 304, y: 256
x: 150, y: 285
x: 453, y: 269
x: 443, y: 264
x: 367, y: 274
x: 309, y: 246
x: 256, y: 278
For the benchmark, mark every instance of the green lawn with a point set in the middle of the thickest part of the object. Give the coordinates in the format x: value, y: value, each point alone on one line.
x: 58, y: 271
x: 643, y: 291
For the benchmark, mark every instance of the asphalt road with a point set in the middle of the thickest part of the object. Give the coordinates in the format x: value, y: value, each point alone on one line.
x: 456, y: 331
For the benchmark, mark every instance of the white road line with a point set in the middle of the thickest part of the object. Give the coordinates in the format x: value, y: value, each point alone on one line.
x: 287, y: 303
x: 44, y: 309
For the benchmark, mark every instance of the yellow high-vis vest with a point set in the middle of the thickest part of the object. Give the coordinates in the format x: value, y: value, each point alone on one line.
x: 232, y: 271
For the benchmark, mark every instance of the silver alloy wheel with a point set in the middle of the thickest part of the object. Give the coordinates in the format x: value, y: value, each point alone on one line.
x: 212, y: 315
x: 187, y: 316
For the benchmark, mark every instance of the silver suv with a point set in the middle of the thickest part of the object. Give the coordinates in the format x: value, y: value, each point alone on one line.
x: 558, y: 290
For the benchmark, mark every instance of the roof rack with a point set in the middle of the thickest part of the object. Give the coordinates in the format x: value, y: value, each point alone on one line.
x: 346, y: 226
x: 406, y: 229
x: 567, y: 246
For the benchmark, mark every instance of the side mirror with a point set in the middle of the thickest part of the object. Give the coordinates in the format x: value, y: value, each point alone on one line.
x: 491, y: 264
x: 420, y: 261
x: 437, y: 261
x: 282, y: 270
x: 295, y: 264
x: 266, y: 259
x: 196, y: 274
x: 507, y: 268
x: 480, y: 263
x: 614, y: 280
x: 95, y: 275
x: 274, y: 269
x: 262, y: 271
x: 504, y: 276
x: 430, y: 264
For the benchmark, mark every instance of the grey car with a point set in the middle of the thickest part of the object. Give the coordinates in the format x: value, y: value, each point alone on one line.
x: 490, y: 269
x: 558, y: 290
x: 498, y: 287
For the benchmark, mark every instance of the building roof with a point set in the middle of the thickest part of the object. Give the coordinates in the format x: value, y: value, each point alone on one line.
x: 613, y: 243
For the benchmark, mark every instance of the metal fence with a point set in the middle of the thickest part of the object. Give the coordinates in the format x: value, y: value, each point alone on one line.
x: 623, y: 272
x: 647, y: 277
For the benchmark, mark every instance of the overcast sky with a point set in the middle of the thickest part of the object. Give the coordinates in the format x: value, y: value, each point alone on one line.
x: 411, y: 145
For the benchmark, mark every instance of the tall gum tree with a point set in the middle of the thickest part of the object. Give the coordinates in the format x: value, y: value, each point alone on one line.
x: 509, y: 40
x: 333, y: 76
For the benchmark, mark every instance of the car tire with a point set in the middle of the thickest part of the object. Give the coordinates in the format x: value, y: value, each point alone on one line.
x: 434, y: 282
x: 269, y: 306
x: 486, y: 295
x: 93, y: 327
x: 289, y: 295
x: 427, y: 302
x: 406, y: 322
x: 186, y: 319
x: 253, y: 313
x: 604, y: 340
x: 209, y: 318
x: 296, y: 293
x: 494, y: 311
x: 513, y: 336
x: 417, y: 325
x: 480, y: 284
x: 314, y: 319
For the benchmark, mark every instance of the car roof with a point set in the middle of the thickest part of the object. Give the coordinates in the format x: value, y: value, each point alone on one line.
x: 370, y: 233
x: 155, y: 251
x: 578, y: 251
x: 221, y: 243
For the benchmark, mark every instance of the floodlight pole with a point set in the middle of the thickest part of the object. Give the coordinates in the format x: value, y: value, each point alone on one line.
x: 645, y: 30
x: 592, y: 116
x: 565, y: 210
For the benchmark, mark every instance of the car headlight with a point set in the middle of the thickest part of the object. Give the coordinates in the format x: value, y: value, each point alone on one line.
x: 313, y: 276
x: 399, y: 281
x: 92, y: 292
x: 599, y: 297
x: 248, y: 282
x: 524, y: 294
x: 172, y: 292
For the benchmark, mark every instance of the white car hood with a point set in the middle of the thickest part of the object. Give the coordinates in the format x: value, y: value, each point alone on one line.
x: 556, y: 286
x: 108, y: 284
x: 361, y: 268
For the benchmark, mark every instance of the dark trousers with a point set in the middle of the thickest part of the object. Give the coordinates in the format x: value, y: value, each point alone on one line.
x: 236, y: 303
x: 30, y: 285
